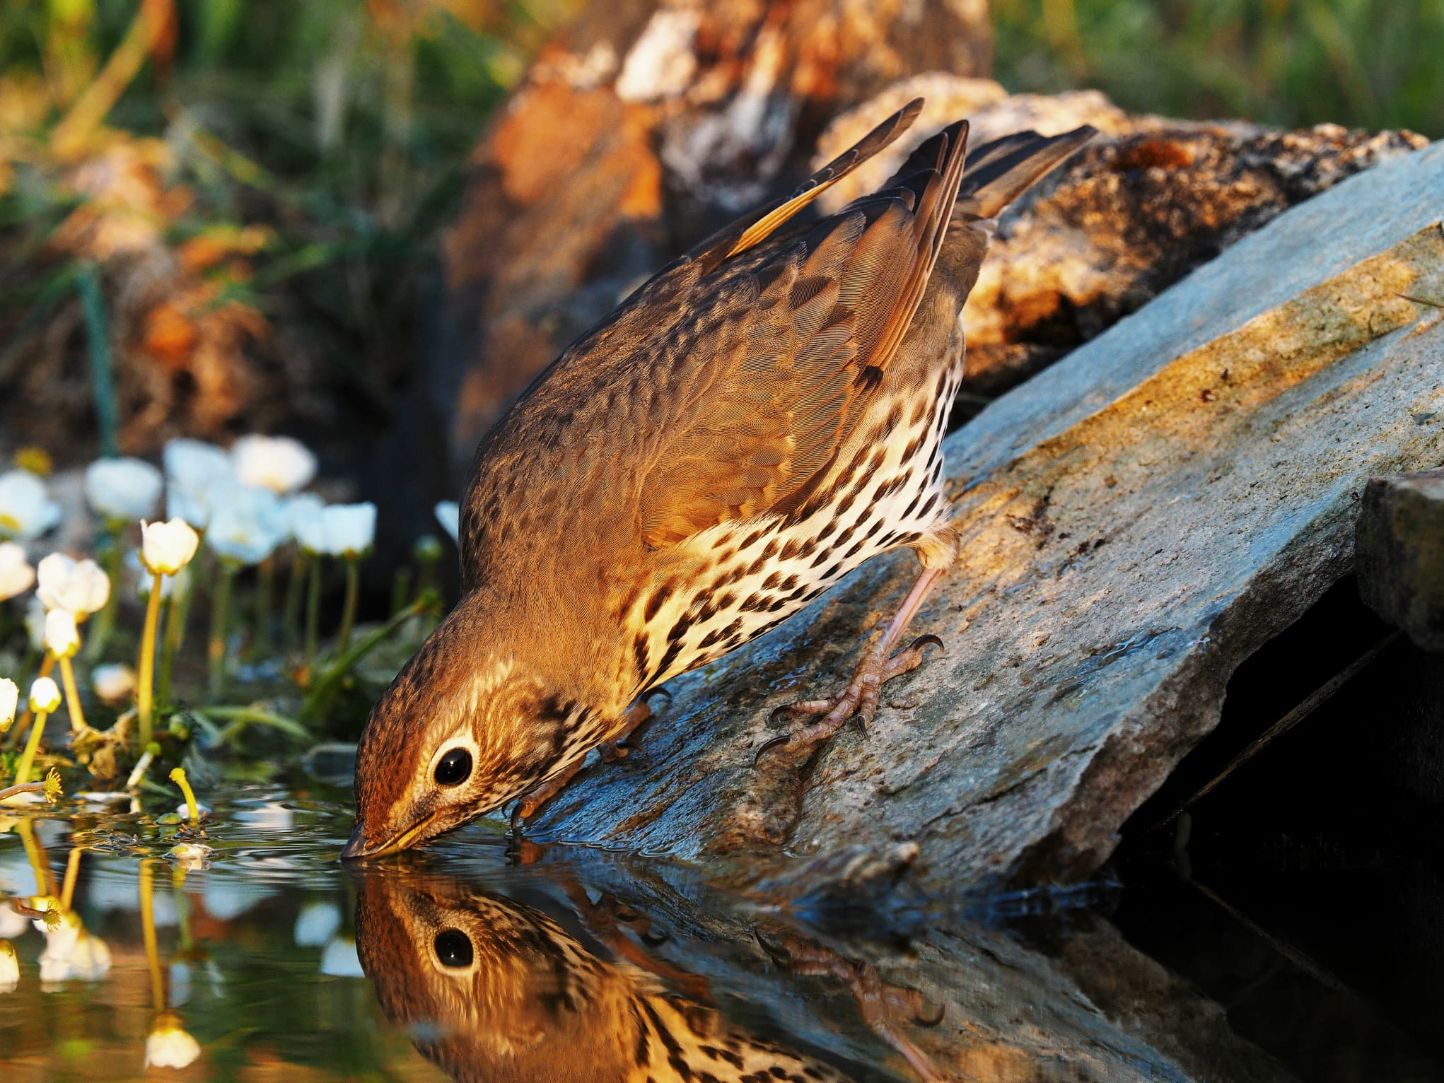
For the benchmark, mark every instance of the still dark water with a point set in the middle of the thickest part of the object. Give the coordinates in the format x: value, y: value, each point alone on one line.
x: 270, y: 960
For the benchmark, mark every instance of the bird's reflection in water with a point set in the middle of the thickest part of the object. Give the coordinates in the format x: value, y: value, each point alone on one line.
x: 492, y: 989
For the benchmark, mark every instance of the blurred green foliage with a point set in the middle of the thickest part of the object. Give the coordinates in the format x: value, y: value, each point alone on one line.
x: 1361, y: 63
x: 343, y: 127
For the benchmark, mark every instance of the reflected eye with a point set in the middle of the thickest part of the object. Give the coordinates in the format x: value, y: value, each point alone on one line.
x: 453, y: 948
x: 454, y: 768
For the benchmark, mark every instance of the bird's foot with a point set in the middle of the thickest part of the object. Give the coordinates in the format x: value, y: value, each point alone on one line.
x: 858, y: 700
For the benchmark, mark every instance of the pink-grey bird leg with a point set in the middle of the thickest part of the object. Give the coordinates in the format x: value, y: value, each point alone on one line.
x: 878, y: 666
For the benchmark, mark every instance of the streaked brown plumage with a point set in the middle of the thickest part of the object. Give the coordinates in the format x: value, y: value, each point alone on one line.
x: 494, y: 990
x: 755, y: 421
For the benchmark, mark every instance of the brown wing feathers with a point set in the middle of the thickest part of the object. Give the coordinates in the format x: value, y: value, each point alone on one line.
x: 805, y: 323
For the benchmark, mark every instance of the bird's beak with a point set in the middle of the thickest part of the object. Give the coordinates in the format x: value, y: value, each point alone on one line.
x: 357, y: 845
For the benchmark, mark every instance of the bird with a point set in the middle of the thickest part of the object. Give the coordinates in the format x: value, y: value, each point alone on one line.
x: 493, y: 989
x: 753, y: 422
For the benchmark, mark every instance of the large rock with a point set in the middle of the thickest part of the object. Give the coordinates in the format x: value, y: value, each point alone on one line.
x: 1401, y: 552
x: 1137, y: 520
x: 648, y: 125
x: 1150, y: 201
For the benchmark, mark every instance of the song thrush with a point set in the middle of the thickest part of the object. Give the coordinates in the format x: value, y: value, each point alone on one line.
x: 752, y: 423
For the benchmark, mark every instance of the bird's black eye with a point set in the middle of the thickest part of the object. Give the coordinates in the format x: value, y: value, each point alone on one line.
x: 454, y: 768
x: 453, y: 948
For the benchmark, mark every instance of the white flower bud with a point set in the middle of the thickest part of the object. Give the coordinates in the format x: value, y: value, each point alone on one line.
x: 113, y: 682
x: 166, y: 548
x: 448, y: 514
x: 44, y: 696
x: 77, y: 586
x: 9, y: 701
x: 277, y: 463
x: 16, y: 574
x: 62, y: 639
x: 169, y: 1045
x: 25, y: 509
x: 350, y: 529
x: 122, y: 488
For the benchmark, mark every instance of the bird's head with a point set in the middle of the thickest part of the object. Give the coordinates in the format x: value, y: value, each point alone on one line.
x: 465, y: 727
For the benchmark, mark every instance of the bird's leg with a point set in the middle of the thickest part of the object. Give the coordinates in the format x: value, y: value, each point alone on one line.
x: 881, y: 1004
x: 879, y: 665
x: 532, y: 801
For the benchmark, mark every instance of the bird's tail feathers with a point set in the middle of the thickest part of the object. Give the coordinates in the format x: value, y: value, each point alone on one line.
x: 999, y: 172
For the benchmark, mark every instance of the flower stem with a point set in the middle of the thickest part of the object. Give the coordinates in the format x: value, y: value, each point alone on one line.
x: 144, y: 698
x: 178, y: 776
x: 400, y: 589
x: 72, y: 873
x: 265, y: 592
x: 32, y: 746
x: 348, y: 606
x: 313, y: 606
x: 47, y: 665
x: 220, y: 627
x: 177, y: 610
x: 291, y: 607
x: 105, y: 620
x: 147, y: 930
x: 320, y: 693
x: 72, y: 697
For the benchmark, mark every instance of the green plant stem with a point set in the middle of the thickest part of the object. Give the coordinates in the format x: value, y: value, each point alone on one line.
x: 313, y: 606
x: 240, y: 717
x: 348, y: 606
x: 97, y: 336
x: 400, y: 588
x: 105, y: 619
x: 47, y: 664
x: 320, y: 692
x: 32, y: 746
x: 177, y: 609
x: 72, y: 697
x: 145, y: 685
x: 291, y: 607
x: 265, y: 593
x: 220, y: 629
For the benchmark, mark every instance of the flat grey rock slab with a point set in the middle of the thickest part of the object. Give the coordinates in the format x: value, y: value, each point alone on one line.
x: 1400, y: 552
x: 1137, y: 520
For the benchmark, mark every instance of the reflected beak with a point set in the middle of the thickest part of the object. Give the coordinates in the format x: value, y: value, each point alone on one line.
x: 357, y: 846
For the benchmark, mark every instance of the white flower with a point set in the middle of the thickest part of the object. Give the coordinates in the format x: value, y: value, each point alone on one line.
x: 16, y: 574
x: 316, y: 924
x: 247, y: 525
x: 166, y: 548
x: 340, y: 959
x: 122, y: 489
x: 35, y: 624
x: 9, y: 967
x: 168, y: 1045
x: 25, y: 509
x: 62, y: 639
x: 9, y: 701
x: 44, y: 696
x: 190, y: 856
x: 113, y: 682
x: 78, y: 586
x: 277, y: 463
x: 349, y: 529
x: 196, y: 474
x: 306, y: 522
x: 448, y: 514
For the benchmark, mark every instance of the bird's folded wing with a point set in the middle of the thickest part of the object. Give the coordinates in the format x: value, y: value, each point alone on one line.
x: 786, y: 342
